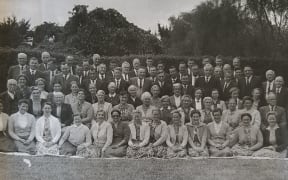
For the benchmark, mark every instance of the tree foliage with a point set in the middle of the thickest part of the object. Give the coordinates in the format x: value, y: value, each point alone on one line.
x: 107, y: 32
x: 254, y: 28
x: 13, y: 32
x: 47, y: 30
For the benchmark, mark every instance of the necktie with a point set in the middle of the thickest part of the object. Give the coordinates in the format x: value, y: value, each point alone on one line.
x: 102, y: 77
x: 247, y: 81
x: 33, y: 72
x: 140, y: 85
x: 126, y: 77
x: 53, y: 73
x: 269, y: 87
x: 22, y: 68
x: 207, y: 79
x: 160, y: 83
x: 65, y: 77
x: 225, y: 86
x: 117, y: 83
x: 278, y: 91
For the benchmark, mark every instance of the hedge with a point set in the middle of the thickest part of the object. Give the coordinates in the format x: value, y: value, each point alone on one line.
x: 8, y: 57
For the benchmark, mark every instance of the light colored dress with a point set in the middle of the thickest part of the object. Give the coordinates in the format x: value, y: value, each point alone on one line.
x: 102, y: 135
x: 146, y: 112
x: 177, y: 139
x: 75, y: 136
x: 70, y: 99
x: 218, y: 133
x: 246, y: 138
x: 23, y: 127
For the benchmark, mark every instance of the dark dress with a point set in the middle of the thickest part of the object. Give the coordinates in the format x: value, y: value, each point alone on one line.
x: 120, y: 133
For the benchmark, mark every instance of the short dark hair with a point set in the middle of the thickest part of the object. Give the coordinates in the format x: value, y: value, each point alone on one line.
x: 116, y: 110
x: 246, y: 114
x: 247, y: 98
x: 195, y: 112
x: 21, y: 101
x: 217, y: 110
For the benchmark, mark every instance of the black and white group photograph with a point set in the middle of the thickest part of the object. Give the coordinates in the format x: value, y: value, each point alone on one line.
x: 143, y: 90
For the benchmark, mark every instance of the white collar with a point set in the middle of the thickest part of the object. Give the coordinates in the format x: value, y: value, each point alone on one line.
x: 112, y: 95
x: 273, y: 129
x: 11, y: 94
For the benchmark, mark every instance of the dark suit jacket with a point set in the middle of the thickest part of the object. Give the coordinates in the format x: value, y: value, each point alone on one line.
x: 225, y: 94
x: 66, y: 84
x: 113, y: 100
x: 14, y: 71
x: 30, y: 107
x: 188, y: 91
x: 135, y: 103
x: 207, y: 87
x: 100, y: 85
x: 193, y: 104
x: 281, y: 138
x: 91, y: 99
x: 66, y: 116
x: 280, y: 116
x: 10, y: 105
x: 264, y: 85
x: 49, y: 79
x: 166, y: 88
x: 123, y: 86
x: 31, y: 78
x: 146, y: 86
x: 246, y: 90
x: 132, y: 74
x: 42, y: 67
x: 282, y: 97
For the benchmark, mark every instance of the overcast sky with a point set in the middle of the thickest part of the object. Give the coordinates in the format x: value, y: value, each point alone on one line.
x: 143, y: 13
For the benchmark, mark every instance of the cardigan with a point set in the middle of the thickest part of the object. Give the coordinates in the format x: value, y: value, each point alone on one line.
x: 144, y: 134
x: 55, y: 128
x: 182, y: 136
x: 281, y: 136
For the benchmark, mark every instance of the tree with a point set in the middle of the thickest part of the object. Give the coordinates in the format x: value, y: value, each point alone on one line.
x: 47, y: 30
x: 13, y: 32
x: 107, y: 32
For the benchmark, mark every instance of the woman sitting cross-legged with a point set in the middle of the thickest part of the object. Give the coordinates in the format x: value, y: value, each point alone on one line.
x: 139, y: 137
x: 48, y: 132
x: 6, y: 143
x: 158, y: 135
x: 248, y: 137
x: 102, y: 134
x: 177, y: 137
x: 22, y: 128
x: 76, y: 137
x: 218, y: 136
x: 274, y: 137
x: 197, y: 136
x: 121, y: 134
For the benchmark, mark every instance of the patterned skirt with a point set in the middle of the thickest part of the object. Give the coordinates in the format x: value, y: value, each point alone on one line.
x: 173, y: 153
x: 147, y: 152
x: 92, y: 151
x: 193, y: 153
x: 43, y: 150
x: 238, y: 150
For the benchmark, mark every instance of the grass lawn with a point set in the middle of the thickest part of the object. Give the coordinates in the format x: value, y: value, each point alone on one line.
x: 13, y: 167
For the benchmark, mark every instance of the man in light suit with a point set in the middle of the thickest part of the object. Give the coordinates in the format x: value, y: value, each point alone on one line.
x: 143, y: 84
x: 16, y: 70
x: 272, y: 106
x: 126, y: 71
x: 65, y: 78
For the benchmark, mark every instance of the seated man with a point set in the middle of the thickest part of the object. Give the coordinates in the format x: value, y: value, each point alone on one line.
x: 76, y: 137
x: 62, y: 111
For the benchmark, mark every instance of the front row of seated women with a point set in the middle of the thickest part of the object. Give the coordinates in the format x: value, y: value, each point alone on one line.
x: 141, y: 137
